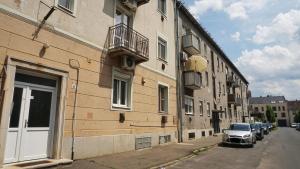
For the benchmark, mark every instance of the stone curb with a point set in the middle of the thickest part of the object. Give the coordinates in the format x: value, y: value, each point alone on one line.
x: 194, y: 153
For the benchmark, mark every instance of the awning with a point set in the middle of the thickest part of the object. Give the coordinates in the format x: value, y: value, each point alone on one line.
x: 196, y: 63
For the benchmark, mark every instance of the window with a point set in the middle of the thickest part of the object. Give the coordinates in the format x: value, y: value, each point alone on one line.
x: 224, y: 90
x: 201, y: 108
x: 163, y: 98
x: 208, y: 109
x: 282, y: 114
x: 189, y: 105
x: 274, y: 108
x: 207, y: 80
x: 283, y: 108
x: 162, y: 49
x: 162, y: 6
x: 279, y: 108
x: 222, y: 66
x: 275, y: 114
x: 205, y: 50
x: 256, y: 109
x: 121, y: 90
x: 225, y: 111
x: 67, y: 4
x: 218, y: 64
x: 262, y: 109
x: 221, y: 114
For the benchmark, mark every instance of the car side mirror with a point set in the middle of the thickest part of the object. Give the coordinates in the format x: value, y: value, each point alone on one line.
x: 252, y: 129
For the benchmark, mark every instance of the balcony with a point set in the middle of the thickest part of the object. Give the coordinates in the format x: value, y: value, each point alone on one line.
x: 123, y: 40
x: 232, y: 99
x: 191, y: 44
x: 192, y: 80
x: 229, y: 80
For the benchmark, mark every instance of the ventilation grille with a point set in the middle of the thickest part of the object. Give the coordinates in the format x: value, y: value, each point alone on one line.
x: 164, y: 139
x: 143, y: 142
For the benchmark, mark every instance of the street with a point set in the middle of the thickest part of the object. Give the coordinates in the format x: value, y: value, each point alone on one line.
x: 279, y: 150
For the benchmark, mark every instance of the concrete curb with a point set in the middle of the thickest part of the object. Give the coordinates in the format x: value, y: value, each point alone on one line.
x: 194, y: 153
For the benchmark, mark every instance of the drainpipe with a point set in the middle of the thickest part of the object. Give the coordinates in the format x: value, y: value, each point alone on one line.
x: 178, y: 74
x: 74, y: 64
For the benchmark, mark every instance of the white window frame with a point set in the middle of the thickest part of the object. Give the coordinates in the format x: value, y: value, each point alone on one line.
x: 201, y: 107
x: 164, y: 85
x: 189, y: 101
x: 66, y: 10
x: 128, y: 93
x: 208, y: 109
x: 162, y: 41
x: 164, y: 13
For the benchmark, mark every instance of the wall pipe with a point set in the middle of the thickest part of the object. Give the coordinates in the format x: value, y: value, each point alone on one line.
x: 77, y: 67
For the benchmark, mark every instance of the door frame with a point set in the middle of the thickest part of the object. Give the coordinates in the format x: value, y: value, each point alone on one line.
x: 12, y: 65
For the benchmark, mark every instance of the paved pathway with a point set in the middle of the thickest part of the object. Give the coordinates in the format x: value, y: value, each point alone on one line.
x: 279, y: 150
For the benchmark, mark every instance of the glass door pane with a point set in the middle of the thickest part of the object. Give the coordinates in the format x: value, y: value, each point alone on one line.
x: 16, y: 108
x: 40, y: 108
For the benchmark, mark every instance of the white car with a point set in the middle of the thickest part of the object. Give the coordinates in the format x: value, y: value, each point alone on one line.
x: 294, y: 125
x: 239, y: 134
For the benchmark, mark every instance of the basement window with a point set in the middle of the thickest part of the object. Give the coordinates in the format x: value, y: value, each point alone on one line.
x: 192, y: 136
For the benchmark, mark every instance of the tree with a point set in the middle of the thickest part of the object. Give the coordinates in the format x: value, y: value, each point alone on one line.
x: 270, y: 114
x: 297, y: 117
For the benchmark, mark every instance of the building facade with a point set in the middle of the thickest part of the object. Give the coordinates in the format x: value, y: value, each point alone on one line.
x: 293, y: 108
x: 258, y: 108
x: 81, y: 79
x: 95, y: 79
x: 214, y: 92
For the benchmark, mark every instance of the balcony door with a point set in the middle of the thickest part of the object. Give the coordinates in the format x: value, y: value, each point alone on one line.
x: 122, y: 33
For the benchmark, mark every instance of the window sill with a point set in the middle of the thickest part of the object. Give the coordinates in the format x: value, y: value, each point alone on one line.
x: 65, y: 10
x: 162, y: 60
x: 116, y: 108
x: 163, y: 113
x: 189, y: 114
x: 162, y: 14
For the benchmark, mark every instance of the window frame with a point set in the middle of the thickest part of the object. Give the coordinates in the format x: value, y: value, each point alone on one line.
x: 128, y: 79
x: 190, y: 100
x: 201, y: 107
x: 164, y: 11
x: 165, y: 86
x: 208, y: 109
x: 67, y: 10
x: 162, y: 42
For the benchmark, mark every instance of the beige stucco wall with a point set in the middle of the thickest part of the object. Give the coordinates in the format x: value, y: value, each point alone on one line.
x: 96, y: 123
x: 92, y: 19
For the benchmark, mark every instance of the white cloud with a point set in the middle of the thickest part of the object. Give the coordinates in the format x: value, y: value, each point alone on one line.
x: 284, y: 27
x: 201, y: 6
x: 272, y: 70
x: 236, y: 36
x: 236, y: 10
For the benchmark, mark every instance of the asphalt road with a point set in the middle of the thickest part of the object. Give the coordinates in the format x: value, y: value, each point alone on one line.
x: 279, y: 150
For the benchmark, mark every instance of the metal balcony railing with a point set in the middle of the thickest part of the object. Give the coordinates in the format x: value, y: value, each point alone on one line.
x: 123, y: 40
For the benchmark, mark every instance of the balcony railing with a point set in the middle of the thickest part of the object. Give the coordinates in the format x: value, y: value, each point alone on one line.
x: 191, y: 44
x: 123, y: 40
x: 232, y: 99
x: 192, y: 80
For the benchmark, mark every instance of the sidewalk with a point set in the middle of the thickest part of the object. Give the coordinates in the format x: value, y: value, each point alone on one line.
x: 148, y: 158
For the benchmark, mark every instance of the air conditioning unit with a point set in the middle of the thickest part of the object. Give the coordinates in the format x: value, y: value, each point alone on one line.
x: 131, y: 4
x: 128, y: 63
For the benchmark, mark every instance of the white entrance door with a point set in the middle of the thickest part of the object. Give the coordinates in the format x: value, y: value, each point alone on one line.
x: 31, y: 123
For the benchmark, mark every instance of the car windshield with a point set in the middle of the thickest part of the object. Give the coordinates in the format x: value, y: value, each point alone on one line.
x: 253, y: 126
x: 240, y: 127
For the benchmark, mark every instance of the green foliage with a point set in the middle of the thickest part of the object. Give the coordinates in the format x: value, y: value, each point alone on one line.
x: 297, y: 117
x: 270, y: 114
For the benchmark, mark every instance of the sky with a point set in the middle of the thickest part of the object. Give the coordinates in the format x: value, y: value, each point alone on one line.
x: 261, y: 37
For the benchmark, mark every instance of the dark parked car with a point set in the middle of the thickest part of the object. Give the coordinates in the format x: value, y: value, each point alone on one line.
x: 298, y: 127
x: 266, y: 128
x: 259, y: 131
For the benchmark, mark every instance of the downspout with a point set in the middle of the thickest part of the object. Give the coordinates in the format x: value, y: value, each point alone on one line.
x: 178, y: 73
x: 74, y: 64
